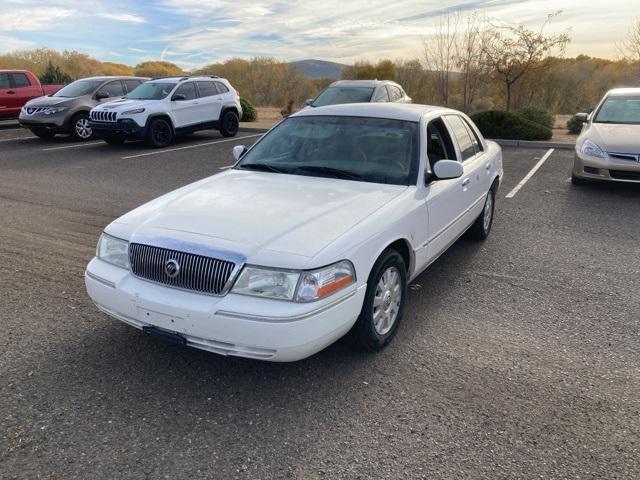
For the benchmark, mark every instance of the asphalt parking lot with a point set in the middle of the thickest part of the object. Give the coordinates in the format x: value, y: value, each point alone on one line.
x: 517, y: 358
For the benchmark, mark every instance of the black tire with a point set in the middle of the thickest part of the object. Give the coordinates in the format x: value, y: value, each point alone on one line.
x: 577, y: 180
x: 159, y: 133
x: 79, y: 127
x: 43, y: 132
x: 367, y: 333
x: 481, y: 228
x: 114, y: 139
x: 229, y: 124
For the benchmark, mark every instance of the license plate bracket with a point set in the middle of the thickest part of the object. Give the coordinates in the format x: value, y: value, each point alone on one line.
x: 167, y: 336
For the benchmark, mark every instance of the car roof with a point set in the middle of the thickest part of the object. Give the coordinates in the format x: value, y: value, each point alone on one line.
x: 396, y: 111
x: 187, y: 77
x: 113, y: 77
x: 361, y: 83
x: 624, y: 91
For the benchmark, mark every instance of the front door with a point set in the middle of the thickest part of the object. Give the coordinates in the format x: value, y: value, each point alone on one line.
x: 185, y: 110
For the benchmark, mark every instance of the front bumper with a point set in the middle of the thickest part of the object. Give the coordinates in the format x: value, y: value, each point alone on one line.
x: 609, y: 169
x: 56, y: 122
x: 236, y: 325
x: 126, y: 128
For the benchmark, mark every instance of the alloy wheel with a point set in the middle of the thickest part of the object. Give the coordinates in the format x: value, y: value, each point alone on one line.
x: 83, y: 129
x: 387, y: 300
x: 488, y: 212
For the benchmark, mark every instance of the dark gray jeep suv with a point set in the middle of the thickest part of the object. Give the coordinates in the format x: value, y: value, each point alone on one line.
x: 67, y: 110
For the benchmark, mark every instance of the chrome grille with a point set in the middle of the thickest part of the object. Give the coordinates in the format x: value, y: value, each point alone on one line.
x: 196, y: 272
x: 102, y: 116
x: 632, y: 157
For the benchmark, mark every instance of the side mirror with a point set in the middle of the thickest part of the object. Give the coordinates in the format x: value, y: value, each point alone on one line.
x: 178, y: 97
x: 239, y: 151
x: 102, y: 94
x: 444, y: 169
x: 583, y: 117
x: 309, y: 102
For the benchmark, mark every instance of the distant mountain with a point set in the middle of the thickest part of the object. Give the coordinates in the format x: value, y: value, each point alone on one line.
x: 319, y: 68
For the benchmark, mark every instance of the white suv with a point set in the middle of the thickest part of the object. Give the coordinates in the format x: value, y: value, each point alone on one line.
x: 162, y: 108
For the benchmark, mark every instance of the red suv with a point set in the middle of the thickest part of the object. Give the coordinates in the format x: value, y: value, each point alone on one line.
x: 17, y: 87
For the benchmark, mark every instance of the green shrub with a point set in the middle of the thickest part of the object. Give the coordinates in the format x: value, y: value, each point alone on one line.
x: 249, y: 113
x: 537, y: 115
x: 574, y: 125
x: 509, y: 126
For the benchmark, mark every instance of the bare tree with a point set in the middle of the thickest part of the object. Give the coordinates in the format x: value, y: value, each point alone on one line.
x: 469, y: 60
x: 440, y: 51
x: 513, y: 51
x: 631, y: 44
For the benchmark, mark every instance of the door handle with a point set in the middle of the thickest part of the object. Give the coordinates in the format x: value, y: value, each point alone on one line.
x: 11, y: 92
x: 465, y: 182
x: 488, y: 166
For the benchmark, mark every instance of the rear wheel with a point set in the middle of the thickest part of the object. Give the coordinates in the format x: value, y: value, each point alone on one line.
x: 229, y: 124
x: 482, y: 226
x: 114, y: 139
x: 79, y: 127
x: 383, y: 303
x: 159, y: 133
x: 43, y: 132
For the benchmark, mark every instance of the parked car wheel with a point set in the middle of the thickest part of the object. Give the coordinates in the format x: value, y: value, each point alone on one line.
x: 43, y: 132
x: 79, y: 127
x: 114, y: 139
x: 229, y: 124
x: 383, y: 303
x: 482, y: 226
x: 159, y: 133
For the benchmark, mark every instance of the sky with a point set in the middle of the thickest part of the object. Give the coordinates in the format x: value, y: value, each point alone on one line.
x: 193, y: 33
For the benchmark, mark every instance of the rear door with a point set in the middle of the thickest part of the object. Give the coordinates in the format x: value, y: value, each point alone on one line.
x: 25, y: 90
x: 210, y: 101
x: 7, y: 96
x: 185, y: 112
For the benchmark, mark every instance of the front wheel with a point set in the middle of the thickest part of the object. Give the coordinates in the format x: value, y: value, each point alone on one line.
x: 80, y: 129
x: 159, y: 133
x: 229, y: 124
x: 383, y: 303
x: 482, y: 226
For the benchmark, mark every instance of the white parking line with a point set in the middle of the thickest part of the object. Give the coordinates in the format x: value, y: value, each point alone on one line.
x: 234, y: 139
x: 75, y: 145
x: 528, y: 176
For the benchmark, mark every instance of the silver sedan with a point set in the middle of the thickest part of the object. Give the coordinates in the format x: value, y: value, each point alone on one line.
x: 608, y: 147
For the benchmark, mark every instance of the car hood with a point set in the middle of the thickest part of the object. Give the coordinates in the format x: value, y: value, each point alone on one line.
x: 125, y: 104
x: 249, y: 211
x: 50, y: 101
x: 616, y: 137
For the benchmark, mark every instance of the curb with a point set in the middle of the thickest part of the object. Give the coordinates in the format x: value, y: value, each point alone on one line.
x: 253, y: 129
x: 534, y: 144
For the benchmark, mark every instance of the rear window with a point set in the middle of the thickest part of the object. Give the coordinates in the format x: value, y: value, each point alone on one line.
x: 207, y: 89
x: 337, y: 95
x: 222, y: 88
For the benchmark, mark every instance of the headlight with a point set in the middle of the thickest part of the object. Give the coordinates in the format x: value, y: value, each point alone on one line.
x: 133, y: 112
x: 593, y: 150
x: 321, y: 283
x: 293, y: 285
x: 53, y: 110
x: 113, y: 250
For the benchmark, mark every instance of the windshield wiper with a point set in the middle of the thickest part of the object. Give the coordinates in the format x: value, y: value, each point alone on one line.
x: 263, y: 167
x: 334, y: 172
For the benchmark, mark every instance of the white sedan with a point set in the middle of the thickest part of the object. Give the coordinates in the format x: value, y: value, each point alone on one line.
x: 314, y: 233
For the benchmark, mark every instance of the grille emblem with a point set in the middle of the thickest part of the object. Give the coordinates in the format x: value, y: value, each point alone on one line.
x: 172, y: 268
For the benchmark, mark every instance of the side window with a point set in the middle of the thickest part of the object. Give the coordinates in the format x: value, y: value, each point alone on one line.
x: 439, y: 144
x: 222, y: 88
x: 20, y: 80
x: 114, y: 89
x: 207, y: 89
x: 477, y: 144
x: 394, y: 93
x: 188, y: 90
x: 4, y: 80
x: 461, y: 134
x: 132, y: 84
x: 381, y: 95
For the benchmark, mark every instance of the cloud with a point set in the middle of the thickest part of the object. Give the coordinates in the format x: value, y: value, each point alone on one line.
x: 9, y: 44
x: 34, y: 19
x: 124, y: 17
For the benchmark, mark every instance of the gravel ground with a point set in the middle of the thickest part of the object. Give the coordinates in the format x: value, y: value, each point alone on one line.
x: 517, y: 358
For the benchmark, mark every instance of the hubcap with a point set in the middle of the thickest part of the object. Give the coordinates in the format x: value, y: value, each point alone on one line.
x: 488, y: 211
x: 82, y: 128
x: 386, y: 301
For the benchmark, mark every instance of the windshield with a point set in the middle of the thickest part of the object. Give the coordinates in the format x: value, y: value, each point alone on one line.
x: 620, y: 109
x: 78, y: 88
x: 336, y: 95
x: 151, y: 91
x: 364, y: 149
